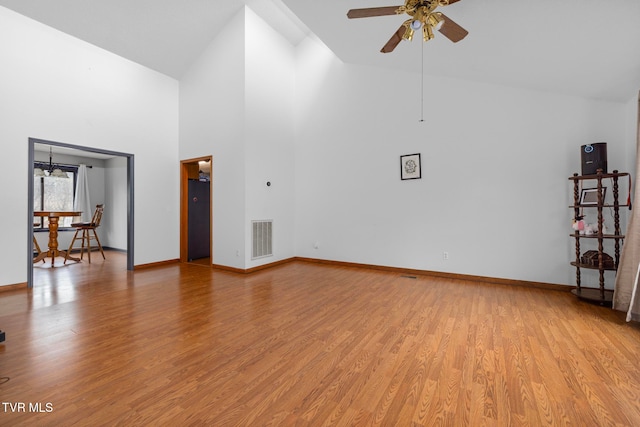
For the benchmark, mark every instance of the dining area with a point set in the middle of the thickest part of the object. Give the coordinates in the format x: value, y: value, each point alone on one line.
x: 84, y: 233
x: 65, y: 222
x: 78, y: 205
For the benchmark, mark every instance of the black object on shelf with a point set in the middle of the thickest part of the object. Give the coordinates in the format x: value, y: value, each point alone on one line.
x: 593, y: 157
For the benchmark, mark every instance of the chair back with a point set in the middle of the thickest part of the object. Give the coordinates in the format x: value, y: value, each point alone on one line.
x: 97, y: 215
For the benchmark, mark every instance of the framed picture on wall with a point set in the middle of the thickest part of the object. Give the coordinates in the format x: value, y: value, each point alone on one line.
x: 410, y: 167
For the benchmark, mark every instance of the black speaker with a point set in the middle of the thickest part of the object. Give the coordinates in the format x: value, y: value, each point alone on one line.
x: 594, y: 157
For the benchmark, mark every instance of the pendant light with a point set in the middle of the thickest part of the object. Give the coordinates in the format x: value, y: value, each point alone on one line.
x: 50, y: 170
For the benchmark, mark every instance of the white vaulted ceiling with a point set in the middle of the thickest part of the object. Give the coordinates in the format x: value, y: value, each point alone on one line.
x: 164, y: 35
x: 580, y: 47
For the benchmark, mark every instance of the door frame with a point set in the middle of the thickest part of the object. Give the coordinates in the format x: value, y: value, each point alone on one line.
x: 184, y: 207
x: 30, y: 191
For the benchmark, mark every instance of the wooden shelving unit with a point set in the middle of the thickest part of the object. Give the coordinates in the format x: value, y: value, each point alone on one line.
x: 600, y: 294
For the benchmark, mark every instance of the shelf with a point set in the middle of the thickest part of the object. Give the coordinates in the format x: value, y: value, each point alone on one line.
x: 594, y: 295
x: 604, y: 262
x: 595, y: 236
x: 604, y: 175
x: 607, y: 205
x: 592, y: 267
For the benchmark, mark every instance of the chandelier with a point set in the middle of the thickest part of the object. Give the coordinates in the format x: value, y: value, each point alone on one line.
x: 44, y: 170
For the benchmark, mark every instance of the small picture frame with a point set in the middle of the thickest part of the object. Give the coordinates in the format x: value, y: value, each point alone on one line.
x: 589, y: 196
x: 410, y: 167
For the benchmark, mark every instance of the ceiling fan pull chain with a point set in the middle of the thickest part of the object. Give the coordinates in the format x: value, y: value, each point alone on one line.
x: 422, y: 84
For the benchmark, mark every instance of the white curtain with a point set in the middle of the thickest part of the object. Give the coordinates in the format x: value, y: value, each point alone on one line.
x: 625, y: 296
x: 81, y: 201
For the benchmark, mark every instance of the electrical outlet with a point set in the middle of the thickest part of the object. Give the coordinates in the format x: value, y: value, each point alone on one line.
x: 445, y: 255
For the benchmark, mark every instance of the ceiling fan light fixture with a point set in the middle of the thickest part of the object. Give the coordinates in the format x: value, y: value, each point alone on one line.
x: 427, y: 33
x: 419, y: 18
x: 408, y: 34
x: 436, y: 20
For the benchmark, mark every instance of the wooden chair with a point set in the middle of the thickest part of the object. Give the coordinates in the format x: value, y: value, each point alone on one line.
x: 87, y: 231
x: 36, y: 246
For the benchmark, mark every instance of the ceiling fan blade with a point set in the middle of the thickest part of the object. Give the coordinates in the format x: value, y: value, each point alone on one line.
x: 372, y: 11
x: 395, y: 39
x: 451, y: 30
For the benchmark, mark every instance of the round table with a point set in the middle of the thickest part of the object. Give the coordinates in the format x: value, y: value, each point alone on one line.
x: 53, y: 252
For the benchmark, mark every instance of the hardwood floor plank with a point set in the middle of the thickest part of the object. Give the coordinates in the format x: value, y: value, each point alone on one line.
x: 303, y: 344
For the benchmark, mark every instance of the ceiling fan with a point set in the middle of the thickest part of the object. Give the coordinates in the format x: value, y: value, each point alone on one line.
x: 423, y: 16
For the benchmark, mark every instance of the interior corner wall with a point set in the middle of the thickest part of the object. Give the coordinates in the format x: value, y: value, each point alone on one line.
x: 236, y: 104
x: 212, y: 122
x: 55, y: 87
x: 494, y: 192
x: 269, y: 138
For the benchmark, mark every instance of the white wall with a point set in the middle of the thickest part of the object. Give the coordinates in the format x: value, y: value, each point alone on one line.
x: 269, y: 144
x: 495, y: 162
x: 58, y: 88
x: 236, y: 103
x: 212, y: 120
x: 113, y: 229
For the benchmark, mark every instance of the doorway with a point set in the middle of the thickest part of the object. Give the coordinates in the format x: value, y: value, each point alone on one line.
x: 196, y: 242
x: 33, y: 142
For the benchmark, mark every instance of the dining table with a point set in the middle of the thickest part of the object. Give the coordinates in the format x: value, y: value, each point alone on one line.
x: 53, y: 251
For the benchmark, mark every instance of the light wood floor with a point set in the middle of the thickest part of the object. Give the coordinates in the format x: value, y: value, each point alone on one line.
x: 307, y: 344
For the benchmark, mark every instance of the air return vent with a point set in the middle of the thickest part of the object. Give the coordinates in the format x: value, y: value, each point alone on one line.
x: 262, y: 238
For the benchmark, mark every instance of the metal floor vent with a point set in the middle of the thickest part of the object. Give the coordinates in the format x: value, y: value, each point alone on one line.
x: 262, y: 238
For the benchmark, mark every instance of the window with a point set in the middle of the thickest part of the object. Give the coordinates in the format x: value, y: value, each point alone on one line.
x: 51, y: 193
